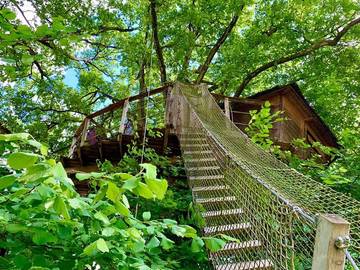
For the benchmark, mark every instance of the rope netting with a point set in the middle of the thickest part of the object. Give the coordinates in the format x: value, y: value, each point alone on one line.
x: 247, y: 193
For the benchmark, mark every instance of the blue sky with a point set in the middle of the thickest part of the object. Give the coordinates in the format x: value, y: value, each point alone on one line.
x: 70, y: 78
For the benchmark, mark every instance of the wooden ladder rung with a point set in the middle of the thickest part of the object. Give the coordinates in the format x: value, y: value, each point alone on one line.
x: 228, y: 212
x: 201, y: 160
x: 203, y: 168
x: 253, y: 265
x: 197, y: 152
x: 206, y: 177
x: 227, y: 228
x: 210, y: 188
x: 216, y: 199
x: 241, y: 245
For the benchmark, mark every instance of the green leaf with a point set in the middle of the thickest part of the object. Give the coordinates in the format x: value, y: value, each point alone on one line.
x: 158, y: 187
x: 113, y: 192
x: 61, y: 208
x: 214, y: 244
x: 108, y: 231
x: 125, y: 201
x: 8, y: 14
x: 7, y: 181
x: 179, y: 231
x: 166, y: 243
x: 146, y: 215
x: 131, y: 183
x: 27, y: 59
x: 21, y: 160
x: 197, y: 244
x: 101, y: 245
x: 43, y: 237
x: 150, y: 170
x: 144, y: 191
x: 153, y: 243
x: 101, y: 193
x: 100, y: 216
x: 90, y: 250
x: 122, y: 209
x: 60, y: 174
x: 15, y: 228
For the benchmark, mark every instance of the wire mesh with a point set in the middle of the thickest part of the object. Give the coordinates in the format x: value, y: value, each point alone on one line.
x: 248, y: 194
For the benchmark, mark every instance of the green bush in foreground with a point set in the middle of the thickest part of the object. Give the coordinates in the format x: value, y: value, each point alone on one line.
x: 45, y: 224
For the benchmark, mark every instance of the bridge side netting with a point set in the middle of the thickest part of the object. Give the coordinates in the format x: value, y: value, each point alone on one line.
x: 278, y: 205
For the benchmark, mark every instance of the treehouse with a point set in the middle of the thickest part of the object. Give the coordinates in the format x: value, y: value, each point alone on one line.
x: 244, y: 192
x: 300, y: 119
x: 107, y: 133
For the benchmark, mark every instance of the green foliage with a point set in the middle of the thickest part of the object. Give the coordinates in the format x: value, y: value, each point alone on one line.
x: 45, y: 223
x: 342, y: 171
x: 261, y: 123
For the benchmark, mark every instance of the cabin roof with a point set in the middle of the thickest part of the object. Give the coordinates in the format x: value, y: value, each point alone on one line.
x: 294, y: 89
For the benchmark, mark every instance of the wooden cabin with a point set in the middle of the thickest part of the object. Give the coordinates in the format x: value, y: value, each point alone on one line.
x: 301, y: 121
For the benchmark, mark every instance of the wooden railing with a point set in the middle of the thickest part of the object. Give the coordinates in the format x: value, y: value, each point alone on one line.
x: 81, y: 133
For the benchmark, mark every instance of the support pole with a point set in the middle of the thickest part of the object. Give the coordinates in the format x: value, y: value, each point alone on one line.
x: 122, y: 125
x: 84, y: 131
x: 327, y: 255
x: 168, y: 118
x: 227, y: 108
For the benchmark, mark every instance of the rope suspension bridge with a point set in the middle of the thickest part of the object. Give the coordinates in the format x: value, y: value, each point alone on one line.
x: 281, y: 218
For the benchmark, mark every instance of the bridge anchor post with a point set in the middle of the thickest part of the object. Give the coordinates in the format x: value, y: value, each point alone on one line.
x: 328, y: 254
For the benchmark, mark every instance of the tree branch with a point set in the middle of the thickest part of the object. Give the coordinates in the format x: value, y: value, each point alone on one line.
x: 157, y: 45
x: 203, y: 69
x: 304, y: 52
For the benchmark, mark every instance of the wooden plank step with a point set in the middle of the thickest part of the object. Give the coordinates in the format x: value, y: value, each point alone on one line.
x: 196, y: 139
x: 229, y: 212
x: 206, y: 177
x: 197, y: 152
x: 200, y: 160
x: 210, y: 188
x: 197, y: 145
x: 227, y: 228
x: 216, y: 199
x: 242, y: 245
x: 203, y: 168
x: 253, y: 265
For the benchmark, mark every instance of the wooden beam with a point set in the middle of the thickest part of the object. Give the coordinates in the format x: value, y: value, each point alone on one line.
x: 122, y: 124
x: 120, y: 103
x: 227, y: 107
x: 168, y: 118
x: 84, y: 131
x: 326, y: 255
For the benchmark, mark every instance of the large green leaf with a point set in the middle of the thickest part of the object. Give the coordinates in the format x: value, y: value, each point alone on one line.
x: 7, y: 181
x: 122, y: 209
x: 21, y: 160
x: 144, y: 191
x: 150, y: 170
x: 101, y: 245
x: 43, y: 237
x: 113, y: 192
x: 214, y: 244
x: 158, y: 187
x: 100, y: 216
x: 61, y: 208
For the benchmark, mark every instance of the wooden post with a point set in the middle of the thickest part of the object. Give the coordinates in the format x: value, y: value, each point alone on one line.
x: 84, y: 131
x: 326, y: 255
x: 168, y: 117
x: 122, y: 124
x: 227, y: 107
